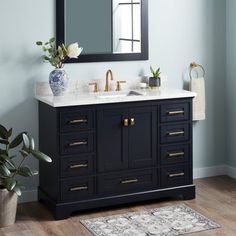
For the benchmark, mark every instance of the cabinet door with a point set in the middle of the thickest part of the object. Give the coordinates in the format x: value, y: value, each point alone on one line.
x: 142, y: 137
x: 112, y: 139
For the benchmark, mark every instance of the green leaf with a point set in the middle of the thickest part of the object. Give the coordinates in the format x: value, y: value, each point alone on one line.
x: 5, y: 159
x: 41, y: 156
x: 24, y: 153
x: 46, y: 58
x: 4, y: 141
x: 60, y: 52
x: 31, y: 142
x: 39, y: 43
x: 9, y: 133
x: 26, y: 141
x: 17, y: 190
x: 64, y: 49
x: 52, y: 40
x: 4, y: 170
x: 17, y: 140
x: 26, y: 171
x: 10, y: 184
x: 3, y: 132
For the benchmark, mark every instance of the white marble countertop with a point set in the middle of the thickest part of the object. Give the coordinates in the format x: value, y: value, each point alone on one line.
x: 80, y: 99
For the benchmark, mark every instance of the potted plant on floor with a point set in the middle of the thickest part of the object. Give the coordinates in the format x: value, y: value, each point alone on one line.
x: 155, y: 80
x: 11, y: 166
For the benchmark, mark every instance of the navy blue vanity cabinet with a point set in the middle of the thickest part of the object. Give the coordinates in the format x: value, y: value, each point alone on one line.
x: 175, y: 143
x: 111, y: 154
x: 126, y: 138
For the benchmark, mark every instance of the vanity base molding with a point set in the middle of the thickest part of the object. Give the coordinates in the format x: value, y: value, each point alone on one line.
x: 110, y: 154
x: 64, y: 210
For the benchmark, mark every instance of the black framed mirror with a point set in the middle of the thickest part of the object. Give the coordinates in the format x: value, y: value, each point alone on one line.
x: 108, y: 30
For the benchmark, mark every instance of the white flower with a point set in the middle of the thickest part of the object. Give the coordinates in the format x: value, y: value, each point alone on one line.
x: 73, y: 50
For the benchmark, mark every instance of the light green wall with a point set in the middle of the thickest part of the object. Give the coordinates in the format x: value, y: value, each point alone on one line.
x: 231, y: 82
x: 180, y: 31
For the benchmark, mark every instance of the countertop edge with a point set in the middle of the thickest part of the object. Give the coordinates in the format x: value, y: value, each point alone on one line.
x: 73, y: 99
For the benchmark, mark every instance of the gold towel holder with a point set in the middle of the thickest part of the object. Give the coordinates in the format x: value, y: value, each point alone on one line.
x: 193, y: 66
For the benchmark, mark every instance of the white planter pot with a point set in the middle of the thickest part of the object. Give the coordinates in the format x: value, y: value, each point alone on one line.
x: 8, y: 206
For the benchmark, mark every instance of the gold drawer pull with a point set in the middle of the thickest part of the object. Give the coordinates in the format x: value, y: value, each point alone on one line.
x: 130, y: 181
x: 176, y: 175
x: 175, y: 133
x: 79, y: 166
x: 81, y: 188
x: 173, y: 113
x: 79, y: 143
x: 126, y: 122
x: 175, y: 154
x: 132, y: 121
x: 79, y: 121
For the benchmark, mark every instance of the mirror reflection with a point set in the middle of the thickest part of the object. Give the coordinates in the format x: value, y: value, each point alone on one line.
x: 104, y: 26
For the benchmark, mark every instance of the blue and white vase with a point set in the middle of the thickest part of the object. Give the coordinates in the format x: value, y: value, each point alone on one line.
x: 58, y: 81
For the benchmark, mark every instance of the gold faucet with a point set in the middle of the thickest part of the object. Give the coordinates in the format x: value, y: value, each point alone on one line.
x: 109, y: 72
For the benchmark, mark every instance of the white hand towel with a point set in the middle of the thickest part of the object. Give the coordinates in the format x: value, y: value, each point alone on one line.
x: 197, y: 85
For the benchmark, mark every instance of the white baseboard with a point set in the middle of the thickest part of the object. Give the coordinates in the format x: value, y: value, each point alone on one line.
x: 32, y: 195
x: 231, y: 171
x: 28, y: 196
x: 209, y: 171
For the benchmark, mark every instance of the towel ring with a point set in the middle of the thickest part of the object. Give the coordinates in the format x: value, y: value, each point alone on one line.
x: 193, y: 66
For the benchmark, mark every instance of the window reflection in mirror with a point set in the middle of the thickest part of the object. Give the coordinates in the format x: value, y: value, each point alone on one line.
x: 126, y: 26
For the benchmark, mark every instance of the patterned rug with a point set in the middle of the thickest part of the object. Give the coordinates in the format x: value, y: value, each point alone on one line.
x: 165, y: 221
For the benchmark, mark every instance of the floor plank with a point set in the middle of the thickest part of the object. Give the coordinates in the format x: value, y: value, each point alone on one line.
x: 216, y: 199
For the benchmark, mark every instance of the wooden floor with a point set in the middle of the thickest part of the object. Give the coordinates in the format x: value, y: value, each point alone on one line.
x: 216, y: 199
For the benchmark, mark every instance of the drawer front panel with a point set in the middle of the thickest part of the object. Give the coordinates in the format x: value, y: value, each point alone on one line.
x: 76, y: 121
x: 128, y: 182
x: 175, y: 133
x: 176, y: 175
x: 82, y: 142
x: 76, y: 189
x: 175, y: 153
x: 175, y: 112
x: 77, y: 165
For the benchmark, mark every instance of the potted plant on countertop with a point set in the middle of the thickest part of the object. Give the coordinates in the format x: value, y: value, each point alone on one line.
x: 11, y: 166
x: 155, y: 80
x: 57, y: 56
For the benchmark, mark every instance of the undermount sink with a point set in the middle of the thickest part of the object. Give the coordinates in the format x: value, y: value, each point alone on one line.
x: 118, y: 94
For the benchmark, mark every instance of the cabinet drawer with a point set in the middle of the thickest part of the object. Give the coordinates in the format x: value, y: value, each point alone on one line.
x: 76, y: 189
x: 176, y: 175
x: 76, y: 121
x: 175, y: 153
x: 175, y: 112
x: 76, y: 166
x: 128, y: 182
x: 175, y: 133
x: 76, y: 143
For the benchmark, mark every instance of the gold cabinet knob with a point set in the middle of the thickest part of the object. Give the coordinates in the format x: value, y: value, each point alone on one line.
x: 95, y: 86
x: 118, y: 87
x: 132, y: 121
x: 126, y: 122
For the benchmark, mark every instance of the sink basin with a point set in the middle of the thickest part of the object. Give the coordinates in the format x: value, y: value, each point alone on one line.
x: 118, y: 94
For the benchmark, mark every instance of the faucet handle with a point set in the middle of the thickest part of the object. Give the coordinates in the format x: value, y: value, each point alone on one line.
x: 95, y: 86
x: 118, y: 87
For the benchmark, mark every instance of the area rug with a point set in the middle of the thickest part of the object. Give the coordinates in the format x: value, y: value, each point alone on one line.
x: 165, y: 221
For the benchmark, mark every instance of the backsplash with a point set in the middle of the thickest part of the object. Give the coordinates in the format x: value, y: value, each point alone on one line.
x: 82, y: 86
